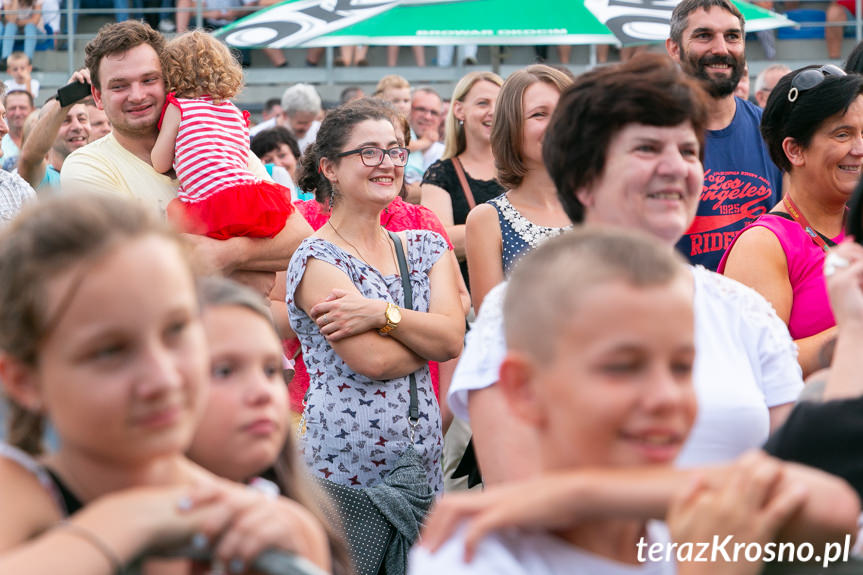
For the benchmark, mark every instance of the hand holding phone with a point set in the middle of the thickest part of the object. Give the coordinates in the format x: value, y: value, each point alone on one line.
x: 72, y: 93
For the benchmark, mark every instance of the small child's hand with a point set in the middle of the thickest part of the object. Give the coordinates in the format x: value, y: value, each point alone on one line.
x: 425, y: 141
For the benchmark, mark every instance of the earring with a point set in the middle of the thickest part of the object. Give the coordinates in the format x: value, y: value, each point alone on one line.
x: 461, y: 123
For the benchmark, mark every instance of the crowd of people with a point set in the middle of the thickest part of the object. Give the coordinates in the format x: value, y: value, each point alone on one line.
x: 625, y: 304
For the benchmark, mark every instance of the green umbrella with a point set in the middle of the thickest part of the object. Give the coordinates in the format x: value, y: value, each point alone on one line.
x: 440, y: 22
x: 493, y: 22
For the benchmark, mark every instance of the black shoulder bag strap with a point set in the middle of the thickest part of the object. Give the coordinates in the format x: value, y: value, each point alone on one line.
x: 413, y: 410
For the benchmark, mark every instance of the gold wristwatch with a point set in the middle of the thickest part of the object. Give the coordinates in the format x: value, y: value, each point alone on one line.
x: 393, y: 316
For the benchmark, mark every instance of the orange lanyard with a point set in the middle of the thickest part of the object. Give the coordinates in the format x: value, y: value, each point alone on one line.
x: 801, y: 219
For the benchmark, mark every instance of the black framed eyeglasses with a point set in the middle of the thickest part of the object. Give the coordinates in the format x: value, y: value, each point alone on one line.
x: 808, y: 79
x: 374, y: 157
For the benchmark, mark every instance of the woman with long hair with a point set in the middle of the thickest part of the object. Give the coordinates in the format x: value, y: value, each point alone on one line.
x: 245, y: 431
x: 465, y: 176
x: 500, y: 230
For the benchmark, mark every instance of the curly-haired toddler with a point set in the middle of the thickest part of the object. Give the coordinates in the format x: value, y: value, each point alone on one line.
x: 205, y: 139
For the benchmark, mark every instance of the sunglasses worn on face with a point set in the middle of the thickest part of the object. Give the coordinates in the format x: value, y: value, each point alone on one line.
x: 373, y: 157
x: 808, y: 79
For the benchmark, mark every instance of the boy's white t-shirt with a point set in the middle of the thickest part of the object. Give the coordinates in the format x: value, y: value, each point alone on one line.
x: 11, y: 84
x: 516, y: 552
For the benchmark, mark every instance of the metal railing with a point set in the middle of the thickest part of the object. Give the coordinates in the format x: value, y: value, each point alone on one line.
x: 70, y: 37
x: 857, y: 22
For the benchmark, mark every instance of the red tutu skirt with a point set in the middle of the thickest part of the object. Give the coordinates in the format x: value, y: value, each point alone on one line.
x: 257, y: 210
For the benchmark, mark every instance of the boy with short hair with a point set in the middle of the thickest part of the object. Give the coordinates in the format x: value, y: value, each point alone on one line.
x: 19, y: 67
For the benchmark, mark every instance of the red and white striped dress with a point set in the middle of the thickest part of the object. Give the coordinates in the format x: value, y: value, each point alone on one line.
x: 218, y: 195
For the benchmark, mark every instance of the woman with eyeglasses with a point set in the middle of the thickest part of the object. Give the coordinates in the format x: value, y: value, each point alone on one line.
x: 365, y: 349
x: 813, y: 126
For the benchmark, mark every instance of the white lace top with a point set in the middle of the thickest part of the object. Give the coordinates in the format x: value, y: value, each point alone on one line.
x: 745, y: 363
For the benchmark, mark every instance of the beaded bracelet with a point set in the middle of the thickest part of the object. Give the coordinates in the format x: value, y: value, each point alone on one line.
x: 95, y: 541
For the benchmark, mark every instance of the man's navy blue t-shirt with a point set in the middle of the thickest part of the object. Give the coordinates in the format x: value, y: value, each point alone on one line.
x: 741, y: 182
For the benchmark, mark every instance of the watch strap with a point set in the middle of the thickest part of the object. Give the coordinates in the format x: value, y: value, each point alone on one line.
x: 390, y: 326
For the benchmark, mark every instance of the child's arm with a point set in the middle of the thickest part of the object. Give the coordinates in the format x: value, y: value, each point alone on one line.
x: 564, y: 499
x: 162, y: 155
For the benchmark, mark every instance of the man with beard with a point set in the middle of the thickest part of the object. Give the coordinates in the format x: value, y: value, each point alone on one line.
x: 740, y: 180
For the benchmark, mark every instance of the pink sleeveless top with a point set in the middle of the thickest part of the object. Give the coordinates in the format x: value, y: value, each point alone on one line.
x: 810, y: 307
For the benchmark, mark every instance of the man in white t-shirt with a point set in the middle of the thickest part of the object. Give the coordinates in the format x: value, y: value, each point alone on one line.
x: 128, y: 84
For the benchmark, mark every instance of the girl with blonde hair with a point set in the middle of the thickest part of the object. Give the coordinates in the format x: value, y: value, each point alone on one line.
x: 465, y: 176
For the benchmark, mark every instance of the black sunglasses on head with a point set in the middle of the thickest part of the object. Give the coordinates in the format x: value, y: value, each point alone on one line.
x: 808, y: 79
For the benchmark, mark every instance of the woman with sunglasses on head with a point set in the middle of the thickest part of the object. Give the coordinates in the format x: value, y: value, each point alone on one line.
x: 813, y: 126
x: 365, y: 348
